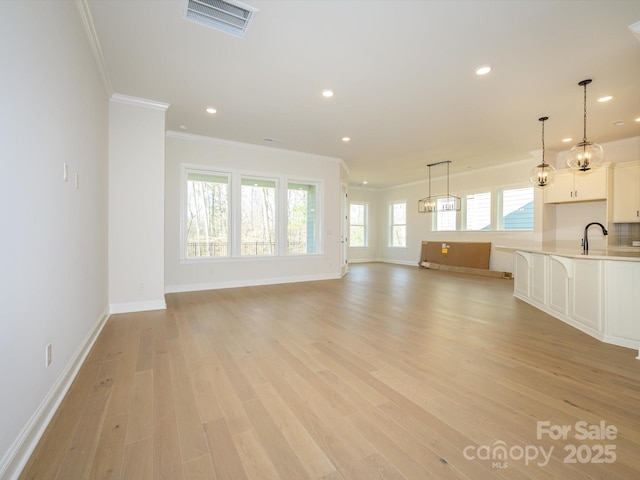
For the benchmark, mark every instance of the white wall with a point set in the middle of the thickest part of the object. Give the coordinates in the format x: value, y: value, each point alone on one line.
x: 371, y: 252
x: 136, y: 204
x: 184, y: 275
x: 53, y: 276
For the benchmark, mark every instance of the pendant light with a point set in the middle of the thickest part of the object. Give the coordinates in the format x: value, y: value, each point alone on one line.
x: 543, y: 174
x: 585, y: 155
x: 439, y: 203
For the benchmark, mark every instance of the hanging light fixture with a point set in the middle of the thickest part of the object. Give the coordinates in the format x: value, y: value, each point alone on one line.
x: 543, y: 174
x: 439, y: 203
x: 585, y: 155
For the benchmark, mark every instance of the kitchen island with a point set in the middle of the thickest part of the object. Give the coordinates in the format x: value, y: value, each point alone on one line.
x: 597, y: 293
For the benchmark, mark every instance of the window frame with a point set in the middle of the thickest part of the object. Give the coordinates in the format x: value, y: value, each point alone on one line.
x: 365, y: 225
x: 235, y: 213
x: 500, y: 207
x: 391, y: 223
x: 317, y: 220
x: 465, y: 210
x: 184, y: 207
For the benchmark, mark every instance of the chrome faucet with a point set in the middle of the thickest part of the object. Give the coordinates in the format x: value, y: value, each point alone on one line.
x: 585, y: 240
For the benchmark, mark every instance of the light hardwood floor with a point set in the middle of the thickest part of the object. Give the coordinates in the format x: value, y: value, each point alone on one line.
x: 392, y: 372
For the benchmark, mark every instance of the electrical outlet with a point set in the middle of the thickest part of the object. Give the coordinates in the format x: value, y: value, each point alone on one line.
x: 47, y: 355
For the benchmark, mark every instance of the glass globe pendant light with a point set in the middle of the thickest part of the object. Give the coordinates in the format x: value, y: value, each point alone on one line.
x: 585, y: 155
x: 542, y: 174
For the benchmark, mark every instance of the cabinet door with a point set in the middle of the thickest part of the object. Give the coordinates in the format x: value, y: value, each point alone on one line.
x: 522, y: 273
x: 539, y: 278
x: 622, y: 300
x: 560, y: 271
x: 561, y: 190
x: 626, y: 193
x: 590, y: 185
x: 587, y: 293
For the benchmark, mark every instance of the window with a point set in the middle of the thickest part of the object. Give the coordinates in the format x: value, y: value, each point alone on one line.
x: 445, y: 219
x: 258, y: 216
x: 398, y: 224
x: 207, y: 215
x: 478, y: 211
x: 358, y: 225
x: 301, y: 218
x: 231, y: 215
x: 517, y: 209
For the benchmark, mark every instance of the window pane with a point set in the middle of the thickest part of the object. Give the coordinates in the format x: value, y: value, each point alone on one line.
x: 258, y: 217
x: 517, y: 209
x: 399, y: 236
x: 479, y: 211
x: 398, y: 225
x: 445, y: 220
x: 301, y: 218
x: 357, y: 225
x: 207, y: 215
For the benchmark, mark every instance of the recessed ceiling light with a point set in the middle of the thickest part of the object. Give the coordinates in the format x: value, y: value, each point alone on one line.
x: 365, y: 182
x: 327, y: 93
x: 483, y: 70
x: 346, y: 139
x: 637, y: 119
x: 567, y: 140
x: 605, y: 99
x: 211, y: 110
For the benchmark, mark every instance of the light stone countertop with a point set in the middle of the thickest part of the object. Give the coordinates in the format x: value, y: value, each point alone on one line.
x: 624, y: 254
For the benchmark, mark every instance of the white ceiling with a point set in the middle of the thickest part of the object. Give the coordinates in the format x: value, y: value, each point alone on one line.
x: 402, y: 72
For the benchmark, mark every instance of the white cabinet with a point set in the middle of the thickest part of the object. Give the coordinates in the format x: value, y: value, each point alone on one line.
x: 530, y: 274
x: 560, y: 273
x: 596, y: 295
x: 575, y: 291
x: 626, y: 193
x: 622, y: 284
x: 587, y: 299
x: 576, y: 186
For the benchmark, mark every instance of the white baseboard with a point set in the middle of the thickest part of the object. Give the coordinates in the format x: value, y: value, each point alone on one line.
x: 364, y: 260
x: 195, y: 287
x: 130, y: 307
x: 400, y: 262
x: 18, y: 454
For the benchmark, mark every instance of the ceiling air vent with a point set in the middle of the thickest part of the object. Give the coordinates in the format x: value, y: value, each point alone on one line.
x: 227, y: 15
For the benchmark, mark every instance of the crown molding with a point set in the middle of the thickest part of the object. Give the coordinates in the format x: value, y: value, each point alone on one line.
x: 139, y: 102
x: 92, y: 35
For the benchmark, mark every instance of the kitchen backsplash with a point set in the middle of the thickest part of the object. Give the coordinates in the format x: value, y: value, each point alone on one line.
x: 624, y: 234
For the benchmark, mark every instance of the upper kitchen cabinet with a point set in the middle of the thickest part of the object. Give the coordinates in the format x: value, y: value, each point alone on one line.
x: 576, y: 186
x: 626, y: 193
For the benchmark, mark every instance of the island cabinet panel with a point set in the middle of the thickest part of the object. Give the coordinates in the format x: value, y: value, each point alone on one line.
x: 522, y: 274
x: 587, y: 293
x: 599, y: 295
x: 560, y: 271
x: 539, y: 277
x: 622, y: 293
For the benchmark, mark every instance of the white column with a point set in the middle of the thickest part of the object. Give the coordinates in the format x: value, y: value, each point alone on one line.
x: 136, y: 204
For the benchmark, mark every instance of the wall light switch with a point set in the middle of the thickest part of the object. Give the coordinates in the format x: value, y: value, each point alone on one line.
x: 65, y: 172
x: 47, y: 355
x: 77, y: 181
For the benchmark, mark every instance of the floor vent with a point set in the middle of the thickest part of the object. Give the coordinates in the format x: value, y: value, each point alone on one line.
x: 228, y: 16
